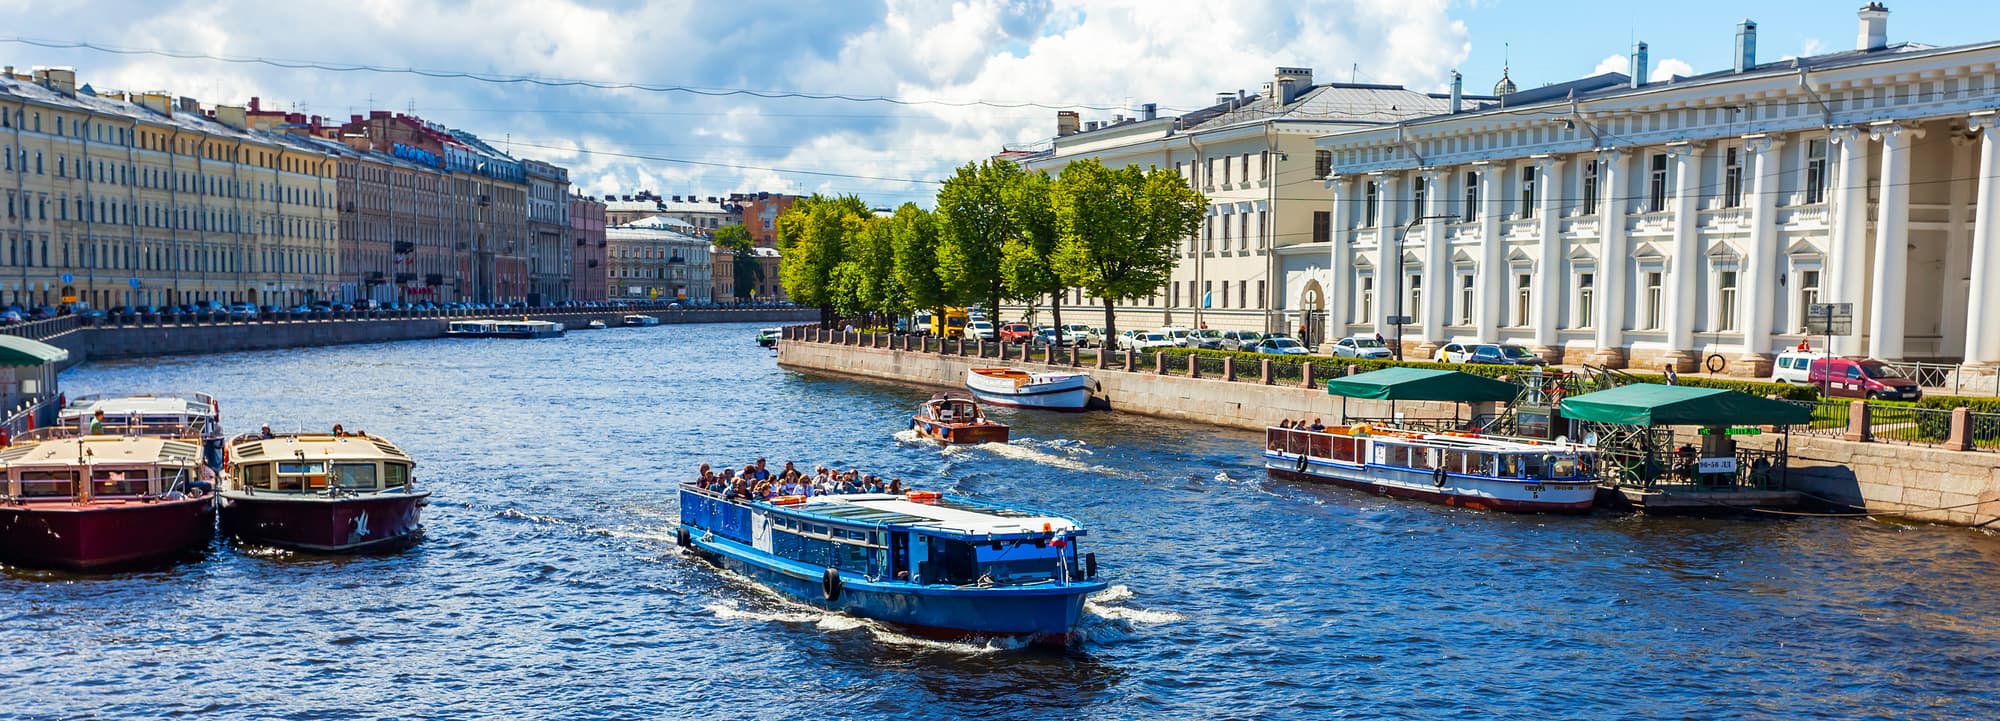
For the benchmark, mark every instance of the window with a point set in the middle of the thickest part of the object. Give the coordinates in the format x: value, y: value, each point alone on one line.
x: 1528, y: 192
x: 1260, y: 294
x: 1732, y: 177
x: 1585, y: 296
x: 1653, y: 300
x: 1656, y: 186
x: 1367, y: 299
x: 1416, y: 282
x: 1465, y: 293
x: 1322, y: 163
x: 1471, y: 212
x: 1224, y: 222
x: 1816, y: 171
x: 1419, y: 189
x: 1523, y: 298
x: 354, y: 475
x: 1225, y: 169
x: 1242, y: 294
x: 1246, y: 168
x: 1369, y: 206
x: 1808, y: 294
x: 1322, y: 226
x: 1725, y: 301
x: 1243, y: 230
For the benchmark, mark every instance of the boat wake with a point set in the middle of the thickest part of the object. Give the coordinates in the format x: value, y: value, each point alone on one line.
x: 1106, y: 622
x: 780, y: 609
x: 1032, y: 451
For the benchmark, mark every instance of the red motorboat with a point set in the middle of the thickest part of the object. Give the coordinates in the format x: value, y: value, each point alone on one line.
x: 326, y: 492
x: 955, y: 417
x: 98, y: 502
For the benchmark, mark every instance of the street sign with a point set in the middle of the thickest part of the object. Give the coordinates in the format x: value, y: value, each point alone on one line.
x: 1726, y: 464
x: 68, y: 279
x: 135, y: 282
x: 1830, y: 309
x: 1400, y: 320
x: 1830, y: 319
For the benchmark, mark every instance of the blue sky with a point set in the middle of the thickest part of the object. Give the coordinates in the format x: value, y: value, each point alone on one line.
x: 1115, y: 54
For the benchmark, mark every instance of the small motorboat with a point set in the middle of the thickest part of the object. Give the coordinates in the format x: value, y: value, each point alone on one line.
x: 768, y: 337
x: 470, y: 329
x: 926, y: 563
x: 954, y: 417
x: 324, y: 492
x: 640, y: 321
x: 96, y: 502
x: 1022, y: 389
x: 595, y: 325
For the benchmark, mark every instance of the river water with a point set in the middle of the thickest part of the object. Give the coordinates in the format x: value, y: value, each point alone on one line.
x: 549, y: 586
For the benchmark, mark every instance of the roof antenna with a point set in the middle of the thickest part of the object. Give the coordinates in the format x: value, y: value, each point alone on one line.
x: 1353, y: 71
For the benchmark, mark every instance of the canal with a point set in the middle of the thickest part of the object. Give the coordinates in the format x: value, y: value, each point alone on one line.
x: 549, y: 586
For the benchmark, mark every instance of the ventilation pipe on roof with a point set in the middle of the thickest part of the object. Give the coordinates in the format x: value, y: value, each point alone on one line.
x: 1874, y: 27
x: 1067, y: 123
x: 1225, y: 99
x: 1149, y: 111
x: 1457, y: 92
x: 1746, y: 45
x: 1638, y: 65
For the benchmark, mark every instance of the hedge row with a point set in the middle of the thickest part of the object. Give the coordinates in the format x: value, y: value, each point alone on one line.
x: 1338, y: 365
x: 1978, y: 405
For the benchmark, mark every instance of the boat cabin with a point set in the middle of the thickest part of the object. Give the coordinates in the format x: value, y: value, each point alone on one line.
x: 922, y: 538
x: 954, y: 409
x: 188, y: 415
x: 97, y: 469
x: 1467, y: 454
x: 319, y: 463
x: 471, y: 327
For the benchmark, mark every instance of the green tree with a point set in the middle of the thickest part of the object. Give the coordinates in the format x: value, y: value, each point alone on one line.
x: 865, y: 281
x: 812, y: 240
x: 975, y: 223
x: 1027, y: 261
x: 1119, y: 229
x: 748, y: 272
x: 913, y: 234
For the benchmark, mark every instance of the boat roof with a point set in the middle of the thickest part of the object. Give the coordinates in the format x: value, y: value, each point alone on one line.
x: 314, y: 447
x: 953, y: 396
x: 102, y: 450
x: 191, y: 404
x: 952, y: 514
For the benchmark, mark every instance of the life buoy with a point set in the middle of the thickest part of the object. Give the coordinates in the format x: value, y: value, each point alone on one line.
x: 682, y: 538
x: 830, y: 584
x: 788, y: 500
x: 922, y: 496
x: 1437, y: 478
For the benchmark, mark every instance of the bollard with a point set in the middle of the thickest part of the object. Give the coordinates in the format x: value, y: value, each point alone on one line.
x: 1159, y: 363
x: 1131, y: 361
x: 1858, y: 428
x: 1074, y: 359
x: 1099, y: 356
x: 1049, y: 355
x: 1306, y: 373
x: 1194, y: 366
x: 1229, y: 368
x: 1264, y: 372
x: 1961, y: 430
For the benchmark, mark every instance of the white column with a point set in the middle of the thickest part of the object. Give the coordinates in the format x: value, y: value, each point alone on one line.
x: 1437, y: 260
x: 1612, y: 288
x: 1492, y: 271
x: 1549, y: 277
x: 1388, y: 253
x: 1341, y: 279
x: 1892, y: 250
x: 1982, y: 321
x: 1760, y: 267
x: 1683, y: 301
x: 1847, y: 258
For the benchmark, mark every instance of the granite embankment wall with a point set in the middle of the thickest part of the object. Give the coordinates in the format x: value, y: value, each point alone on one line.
x: 137, y: 341
x: 1916, y: 482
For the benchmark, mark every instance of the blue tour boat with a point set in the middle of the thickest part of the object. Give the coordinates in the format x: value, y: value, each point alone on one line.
x: 933, y: 565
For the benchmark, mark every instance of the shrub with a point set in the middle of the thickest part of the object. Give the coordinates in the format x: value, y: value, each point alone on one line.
x: 1978, y: 405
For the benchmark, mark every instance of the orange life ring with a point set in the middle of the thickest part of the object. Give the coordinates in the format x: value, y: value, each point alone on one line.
x: 788, y: 500
x: 923, y: 496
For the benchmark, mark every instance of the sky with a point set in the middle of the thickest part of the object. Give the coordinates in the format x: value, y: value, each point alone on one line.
x: 962, y: 78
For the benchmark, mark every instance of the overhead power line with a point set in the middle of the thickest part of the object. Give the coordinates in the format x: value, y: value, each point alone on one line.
x: 733, y: 166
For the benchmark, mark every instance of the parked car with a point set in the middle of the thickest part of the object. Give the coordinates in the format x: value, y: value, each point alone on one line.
x: 1093, y: 335
x: 1240, y: 339
x: 1073, y: 335
x: 981, y: 330
x: 243, y: 311
x: 1795, y: 367
x: 1016, y: 333
x: 1362, y: 346
x: 1204, y: 338
x: 1490, y: 353
x: 1862, y: 378
x: 1142, y: 340
x: 1280, y: 345
x: 1174, y: 333
x: 11, y: 316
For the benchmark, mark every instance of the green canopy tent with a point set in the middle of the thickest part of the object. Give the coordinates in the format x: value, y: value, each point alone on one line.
x: 28, y: 381
x: 1420, y: 384
x: 1631, y: 428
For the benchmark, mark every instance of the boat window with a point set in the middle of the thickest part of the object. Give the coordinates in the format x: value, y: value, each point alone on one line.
x: 1561, y: 466
x: 952, y: 562
x: 257, y: 475
x: 1019, y: 562
x: 1423, y: 459
x: 303, y: 469
x: 120, y: 482
x: 395, y: 475
x: 1396, y: 455
x: 1534, y: 465
x: 1510, y: 466
x: 354, y: 475
x: 48, y: 484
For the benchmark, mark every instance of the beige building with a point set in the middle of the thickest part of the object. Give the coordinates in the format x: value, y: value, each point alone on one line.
x: 145, y: 199
x: 650, y: 260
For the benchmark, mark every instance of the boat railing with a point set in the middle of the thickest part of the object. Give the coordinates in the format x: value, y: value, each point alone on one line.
x: 1314, y: 444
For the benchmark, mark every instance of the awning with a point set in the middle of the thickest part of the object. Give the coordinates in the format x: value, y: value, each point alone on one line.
x: 18, y: 351
x: 1651, y: 404
x: 1422, y: 384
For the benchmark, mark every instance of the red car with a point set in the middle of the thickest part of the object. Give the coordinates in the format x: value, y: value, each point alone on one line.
x: 1016, y: 333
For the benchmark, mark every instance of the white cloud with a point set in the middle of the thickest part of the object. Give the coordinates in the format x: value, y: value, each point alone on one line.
x: 1666, y: 68
x: 1102, y: 52
x: 1613, y: 63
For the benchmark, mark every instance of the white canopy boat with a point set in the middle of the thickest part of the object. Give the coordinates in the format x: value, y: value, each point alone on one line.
x: 1022, y: 389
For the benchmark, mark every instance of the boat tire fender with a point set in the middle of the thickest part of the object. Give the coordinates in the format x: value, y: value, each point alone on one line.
x: 1090, y: 565
x: 1438, y: 477
x: 830, y: 584
x: 681, y: 538
x: 1303, y: 461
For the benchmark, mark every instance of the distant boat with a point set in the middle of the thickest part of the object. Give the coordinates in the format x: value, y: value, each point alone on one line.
x: 1022, y: 389
x: 768, y: 337
x: 954, y: 417
x: 641, y: 320
x: 504, y: 329
x: 320, y: 492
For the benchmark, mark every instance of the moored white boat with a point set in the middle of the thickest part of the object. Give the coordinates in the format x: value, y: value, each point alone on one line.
x: 1022, y: 389
x: 1455, y: 469
x: 641, y: 320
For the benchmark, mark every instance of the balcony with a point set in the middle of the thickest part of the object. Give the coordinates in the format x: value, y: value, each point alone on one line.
x: 1724, y: 219
x: 1520, y: 228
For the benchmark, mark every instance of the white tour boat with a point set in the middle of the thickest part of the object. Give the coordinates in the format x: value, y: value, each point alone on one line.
x: 1022, y: 389
x: 640, y: 320
x: 1455, y: 469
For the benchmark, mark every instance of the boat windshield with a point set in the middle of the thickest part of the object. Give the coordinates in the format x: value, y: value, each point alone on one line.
x: 1014, y: 563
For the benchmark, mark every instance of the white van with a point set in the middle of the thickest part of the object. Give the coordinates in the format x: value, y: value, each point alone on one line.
x: 1795, y: 366
x: 1176, y: 335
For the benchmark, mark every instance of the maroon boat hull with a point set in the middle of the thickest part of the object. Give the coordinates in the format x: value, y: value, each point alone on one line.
x: 312, y: 523
x: 103, y: 535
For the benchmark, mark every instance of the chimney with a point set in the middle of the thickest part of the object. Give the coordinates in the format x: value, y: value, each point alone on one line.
x: 231, y: 115
x: 1291, y: 83
x: 1241, y: 97
x: 1746, y: 45
x: 256, y: 104
x: 189, y: 105
x: 1225, y: 99
x: 1149, y: 111
x: 1067, y: 123
x: 63, y: 81
x: 1638, y: 65
x: 158, y: 102
x: 1285, y: 91
x: 1457, y: 92
x: 1874, y: 27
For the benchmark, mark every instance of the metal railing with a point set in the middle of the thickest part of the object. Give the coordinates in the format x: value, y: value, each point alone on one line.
x: 1829, y: 418
x: 1986, y: 431
x: 1909, y: 424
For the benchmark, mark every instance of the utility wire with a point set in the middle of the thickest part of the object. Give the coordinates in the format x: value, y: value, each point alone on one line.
x: 714, y: 164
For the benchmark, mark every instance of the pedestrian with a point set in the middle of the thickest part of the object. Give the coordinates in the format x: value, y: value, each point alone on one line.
x: 1673, y: 379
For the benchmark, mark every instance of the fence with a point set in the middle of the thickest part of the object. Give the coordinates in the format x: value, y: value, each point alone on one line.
x: 1909, y: 425
x: 1954, y: 379
x: 1986, y: 431
x: 1829, y: 418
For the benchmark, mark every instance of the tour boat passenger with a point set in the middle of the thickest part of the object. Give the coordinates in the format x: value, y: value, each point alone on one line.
x: 895, y: 486
x: 337, y: 431
x: 1285, y: 424
x: 761, y: 473
x: 266, y: 432
x: 97, y: 424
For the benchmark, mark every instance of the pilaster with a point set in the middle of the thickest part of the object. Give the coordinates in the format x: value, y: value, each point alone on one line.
x: 1683, y: 305
x: 1548, y: 276
x: 1982, y: 320
x: 1760, y: 267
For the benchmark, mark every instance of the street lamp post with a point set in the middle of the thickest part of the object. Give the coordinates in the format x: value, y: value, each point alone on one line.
x: 1399, y: 319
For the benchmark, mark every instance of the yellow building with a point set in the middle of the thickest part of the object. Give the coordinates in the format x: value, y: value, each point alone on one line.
x: 145, y: 199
